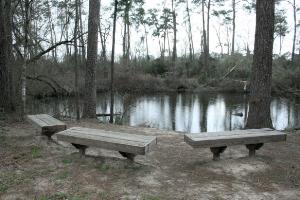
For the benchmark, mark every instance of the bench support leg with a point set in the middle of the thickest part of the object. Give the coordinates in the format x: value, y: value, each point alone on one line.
x: 129, y: 156
x: 217, y: 151
x: 253, y: 147
x: 48, y: 134
x: 81, y: 148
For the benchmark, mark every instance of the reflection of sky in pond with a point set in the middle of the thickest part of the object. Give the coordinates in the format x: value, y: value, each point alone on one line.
x: 216, y: 115
x: 192, y: 113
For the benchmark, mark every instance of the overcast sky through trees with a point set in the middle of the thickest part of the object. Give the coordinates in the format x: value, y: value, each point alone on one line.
x: 245, y: 29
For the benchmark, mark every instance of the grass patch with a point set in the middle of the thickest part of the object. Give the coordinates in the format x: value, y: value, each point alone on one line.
x: 9, y: 179
x: 104, y: 195
x: 63, y: 175
x: 36, y: 152
x: 103, y: 167
x: 133, y: 167
x: 67, y: 161
x: 61, y: 196
x: 149, y: 197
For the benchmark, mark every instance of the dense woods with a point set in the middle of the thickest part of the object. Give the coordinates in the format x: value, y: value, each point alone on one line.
x: 50, y: 48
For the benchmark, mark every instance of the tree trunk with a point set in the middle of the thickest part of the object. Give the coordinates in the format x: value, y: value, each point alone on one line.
x: 4, y: 69
x: 112, y: 63
x: 233, y: 26
x: 190, y: 34
x: 10, y: 57
x: 205, y: 57
x: 208, y: 26
x: 260, y: 90
x: 174, y: 54
x: 25, y: 56
x: 77, y: 4
x: 83, y: 52
x: 146, y: 40
x: 89, y: 110
x: 295, y: 29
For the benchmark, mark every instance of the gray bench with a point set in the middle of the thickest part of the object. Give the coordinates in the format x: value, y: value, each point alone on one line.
x: 218, y: 141
x: 128, y: 145
x: 46, y: 124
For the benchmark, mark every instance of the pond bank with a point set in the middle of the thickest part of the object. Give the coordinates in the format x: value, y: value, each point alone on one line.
x: 32, y: 168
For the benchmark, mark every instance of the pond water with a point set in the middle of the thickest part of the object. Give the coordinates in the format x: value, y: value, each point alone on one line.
x: 186, y: 112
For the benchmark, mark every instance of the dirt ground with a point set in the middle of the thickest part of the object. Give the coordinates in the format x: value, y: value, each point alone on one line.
x: 33, y: 168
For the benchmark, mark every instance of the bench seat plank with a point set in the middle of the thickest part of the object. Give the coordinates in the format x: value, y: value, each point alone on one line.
x: 47, y: 124
x: 124, y: 142
x: 236, y: 137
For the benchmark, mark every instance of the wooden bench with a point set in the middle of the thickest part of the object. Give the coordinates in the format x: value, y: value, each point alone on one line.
x: 46, y: 124
x: 128, y: 145
x: 218, y: 141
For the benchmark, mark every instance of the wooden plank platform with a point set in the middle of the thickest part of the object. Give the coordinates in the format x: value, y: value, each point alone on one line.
x: 218, y: 141
x: 123, y: 142
x: 48, y: 125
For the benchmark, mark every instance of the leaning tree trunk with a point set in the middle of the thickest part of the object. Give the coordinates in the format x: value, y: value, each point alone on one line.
x: 260, y: 90
x: 89, y: 109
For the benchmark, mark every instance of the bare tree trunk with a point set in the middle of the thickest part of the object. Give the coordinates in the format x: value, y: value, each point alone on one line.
x: 169, y: 47
x: 174, y: 54
x: 205, y: 57
x: 233, y: 26
x: 68, y: 50
x: 77, y: 4
x: 5, y: 98
x: 190, y: 34
x: 25, y: 56
x: 82, y: 43
x: 112, y: 63
x: 295, y: 30
x: 89, y: 109
x: 219, y: 40
x: 146, y: 39
x: 208, y: 26
x: 280, y: 44
x: 10, y: 57
x: 126, y: 36
x: 260, y: 90
x: 128, y: 44
x: 228, y: 41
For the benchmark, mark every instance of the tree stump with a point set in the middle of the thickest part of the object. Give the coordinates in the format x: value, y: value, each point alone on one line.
x: 81, y: 148
x: 217, y: 151
x: 253, y: 147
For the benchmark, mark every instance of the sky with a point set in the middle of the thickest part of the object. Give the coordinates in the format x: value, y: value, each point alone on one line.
x: 245, y: 29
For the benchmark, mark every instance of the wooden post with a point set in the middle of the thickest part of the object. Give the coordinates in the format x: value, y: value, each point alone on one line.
x: 81, y: 148
x: 253, y: 147
x: 217, y: 151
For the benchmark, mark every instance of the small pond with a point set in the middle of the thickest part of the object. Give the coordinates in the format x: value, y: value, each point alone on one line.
x: 186, y: 112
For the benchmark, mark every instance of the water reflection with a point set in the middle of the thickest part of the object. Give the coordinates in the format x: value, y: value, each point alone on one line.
x: 191, y: 113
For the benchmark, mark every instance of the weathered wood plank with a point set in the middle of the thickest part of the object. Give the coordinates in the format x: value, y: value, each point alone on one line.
x: 239, y: 137
x: 46, y: 124
x: 123, y: 142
